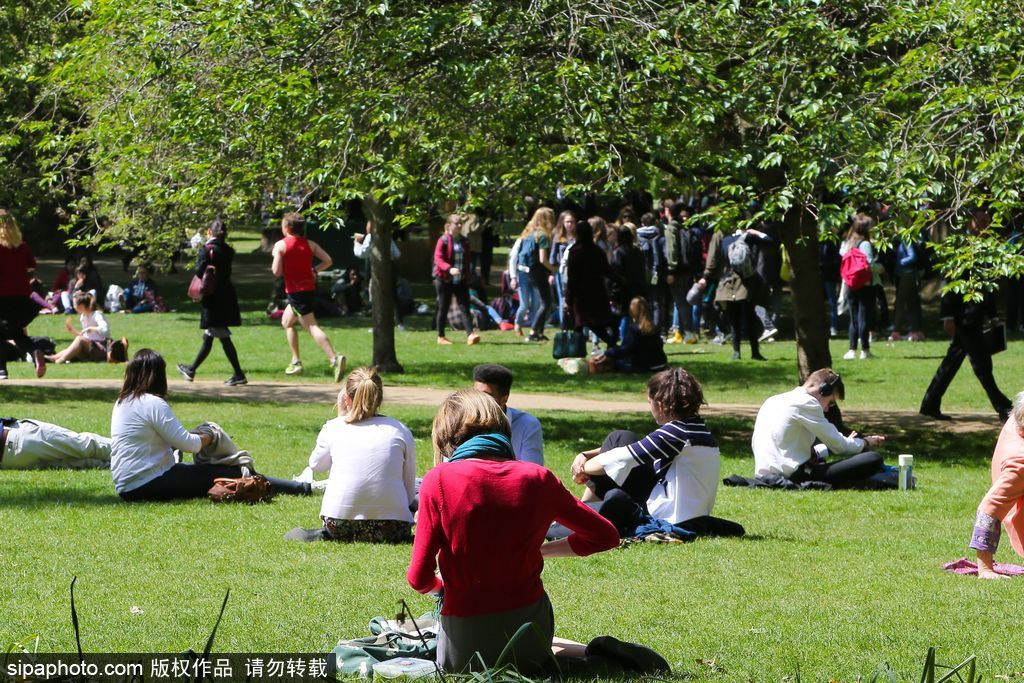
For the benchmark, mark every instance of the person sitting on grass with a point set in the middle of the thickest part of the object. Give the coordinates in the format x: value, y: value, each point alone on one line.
x: 642, y: 349
x: 372, y: 460
x: 36, y: 445
x: 527, y: 437
x: 672, y: 473
x: 140, y: 294
x: 90, y: 343
x: 145, y: 433
x: 1002, y: 503
x: 788, y: 424
x: 482, y: 520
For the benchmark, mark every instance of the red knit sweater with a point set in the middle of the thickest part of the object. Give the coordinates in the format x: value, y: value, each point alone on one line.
x: 485, y: 521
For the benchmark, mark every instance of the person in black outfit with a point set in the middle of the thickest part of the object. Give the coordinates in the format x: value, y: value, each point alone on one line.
x: 220, y: 309
x: 964, y: 321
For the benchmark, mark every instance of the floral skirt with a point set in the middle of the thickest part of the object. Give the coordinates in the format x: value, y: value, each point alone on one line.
x: 367, y: 530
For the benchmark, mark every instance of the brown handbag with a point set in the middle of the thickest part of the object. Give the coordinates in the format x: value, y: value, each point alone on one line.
x: 252, y: 490
x: 599, y: 364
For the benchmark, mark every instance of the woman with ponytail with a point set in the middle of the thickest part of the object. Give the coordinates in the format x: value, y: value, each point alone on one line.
x: 372, y: 464
x: 482, y: 520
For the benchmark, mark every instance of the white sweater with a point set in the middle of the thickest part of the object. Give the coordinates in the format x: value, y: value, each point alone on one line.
x: 373, y: 468
x: 145, y: 433
x: 785, y: 430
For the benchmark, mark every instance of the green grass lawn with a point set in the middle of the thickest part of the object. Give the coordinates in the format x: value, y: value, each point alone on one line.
x: 828, y: 584
x: 833, y: 584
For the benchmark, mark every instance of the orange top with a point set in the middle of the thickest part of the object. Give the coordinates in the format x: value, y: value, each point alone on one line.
x: 1004, y: 500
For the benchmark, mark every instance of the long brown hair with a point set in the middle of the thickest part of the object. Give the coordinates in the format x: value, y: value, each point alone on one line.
x: 146, y: 373
x: 640, y: 313
x: 10, y: 233
x: 365, y: 391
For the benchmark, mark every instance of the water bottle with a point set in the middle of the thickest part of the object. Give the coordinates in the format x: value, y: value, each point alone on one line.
x: 906, y: 476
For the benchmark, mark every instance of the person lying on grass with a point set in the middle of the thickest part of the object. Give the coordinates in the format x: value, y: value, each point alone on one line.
x: 1003, y: 501
x: 145, y: 433
x: 35, y: 445
x: 372, y: 460
x: 788, y: 425
x: 482, y: 519
x: 672, y: 473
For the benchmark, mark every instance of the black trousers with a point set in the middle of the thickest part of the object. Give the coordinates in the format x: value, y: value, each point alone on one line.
x: 188, y: 480
x: 745, y: 323
x: 841, y: 473
x: 445, y: 292
x: 969, y: 342
x: 640, y: 481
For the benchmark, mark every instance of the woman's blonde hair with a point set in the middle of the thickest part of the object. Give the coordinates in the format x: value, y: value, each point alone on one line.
x: 10, y: 233
x: 640, y: 312
x: 543, y: 220
x: 463, y: 415
x: 366, y: 392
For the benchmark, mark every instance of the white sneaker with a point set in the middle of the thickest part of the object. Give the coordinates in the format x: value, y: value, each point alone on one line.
x: 864, y: 355
x: 305, y: 476
x: 768, y: 334
x: 850, y: 355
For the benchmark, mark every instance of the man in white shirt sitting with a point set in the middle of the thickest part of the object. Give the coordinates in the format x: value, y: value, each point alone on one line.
x: 789, y: 424
x: 527, y: 439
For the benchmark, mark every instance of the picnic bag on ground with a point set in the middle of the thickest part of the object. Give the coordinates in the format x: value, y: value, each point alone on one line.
x: 201, y: 287
x: 254, y: 489
x: 117, y: 350
x: 569, y: 344
x: 855, y: 269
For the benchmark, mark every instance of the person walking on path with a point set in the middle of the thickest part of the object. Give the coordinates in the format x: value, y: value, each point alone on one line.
x: 17, y: 309
x: 452, y: 266
x: 294, y: 261
x: 219, y: 310
x: 964, y: 322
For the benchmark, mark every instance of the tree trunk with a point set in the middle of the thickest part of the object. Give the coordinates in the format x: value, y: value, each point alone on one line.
x: 382, y: 295
x: 800, y: 237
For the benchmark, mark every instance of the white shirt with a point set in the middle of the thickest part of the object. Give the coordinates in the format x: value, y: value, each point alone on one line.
x: 145, y: 433
x: 373, y: 468
x: 527, y: 438
x: 785, y: 430
x: 362, y: 249
x: 95, y: 319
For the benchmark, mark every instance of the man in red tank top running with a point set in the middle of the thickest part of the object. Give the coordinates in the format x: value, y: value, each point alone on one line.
x: 294, y: 261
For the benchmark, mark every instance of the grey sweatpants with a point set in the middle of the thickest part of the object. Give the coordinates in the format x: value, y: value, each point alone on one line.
x: 33, y: 445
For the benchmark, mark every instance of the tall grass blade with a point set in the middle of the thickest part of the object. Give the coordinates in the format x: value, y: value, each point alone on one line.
x: 423, y: 639
x: 928, y: 675
x: 74, y: 622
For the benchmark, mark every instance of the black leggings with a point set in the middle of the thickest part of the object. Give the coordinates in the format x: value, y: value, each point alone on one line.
x: 445, y: 292
x: 744, y: 322
x: 841, y: 473
x: 188, y: 480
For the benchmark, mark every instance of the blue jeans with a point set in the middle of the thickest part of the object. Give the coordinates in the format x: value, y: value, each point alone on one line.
x: 527, y: 299
x: 832, y: 299
x: 862, y: 316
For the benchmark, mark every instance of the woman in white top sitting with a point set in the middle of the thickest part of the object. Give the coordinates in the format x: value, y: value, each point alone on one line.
x: 90, y: 344
x: 144, y: 434
x: 372, y: 461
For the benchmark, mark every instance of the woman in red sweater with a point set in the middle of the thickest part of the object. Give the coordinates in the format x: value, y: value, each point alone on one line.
x: 482, y: 519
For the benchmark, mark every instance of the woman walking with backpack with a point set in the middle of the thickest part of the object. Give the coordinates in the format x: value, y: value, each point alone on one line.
x: 859, y: 276
x: 220, y: 309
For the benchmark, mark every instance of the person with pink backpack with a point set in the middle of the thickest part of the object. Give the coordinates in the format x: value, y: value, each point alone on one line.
x: 858, y: 274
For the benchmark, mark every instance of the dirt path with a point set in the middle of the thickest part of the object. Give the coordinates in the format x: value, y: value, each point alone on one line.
x: 288, y: 392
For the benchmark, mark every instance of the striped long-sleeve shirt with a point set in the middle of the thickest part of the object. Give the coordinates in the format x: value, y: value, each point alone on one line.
x: 685, y: 455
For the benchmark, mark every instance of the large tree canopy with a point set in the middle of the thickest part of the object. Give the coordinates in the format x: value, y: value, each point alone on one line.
x: 794, y: 111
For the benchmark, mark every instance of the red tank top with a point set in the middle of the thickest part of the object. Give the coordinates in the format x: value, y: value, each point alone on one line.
x: 298, y: 265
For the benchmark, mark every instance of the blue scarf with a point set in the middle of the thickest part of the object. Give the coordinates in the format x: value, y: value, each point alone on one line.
x: 484, y: 446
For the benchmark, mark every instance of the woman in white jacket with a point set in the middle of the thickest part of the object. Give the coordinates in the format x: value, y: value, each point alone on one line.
x: 372, y: 464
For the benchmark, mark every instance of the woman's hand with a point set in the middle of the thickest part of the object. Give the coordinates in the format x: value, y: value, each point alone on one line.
x: 513, y: 283
x: 578, y: 463
x: 454, y: 272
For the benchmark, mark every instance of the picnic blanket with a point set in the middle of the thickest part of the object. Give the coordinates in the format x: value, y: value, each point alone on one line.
x: 965, y: 566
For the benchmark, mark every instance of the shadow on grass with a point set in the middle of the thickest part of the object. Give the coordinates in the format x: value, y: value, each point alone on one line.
x: 276, y: 396
x: 45, y: 496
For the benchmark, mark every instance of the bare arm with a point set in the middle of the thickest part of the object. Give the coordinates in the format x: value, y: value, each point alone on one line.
x: 277, y: 267
x: 325, y: 259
